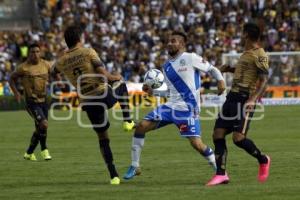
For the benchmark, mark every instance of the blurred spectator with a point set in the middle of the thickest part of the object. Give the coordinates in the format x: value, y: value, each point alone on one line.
x: 129, y: 34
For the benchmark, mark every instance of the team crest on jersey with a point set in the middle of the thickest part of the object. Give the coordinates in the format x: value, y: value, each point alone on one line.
x: 182, y: 62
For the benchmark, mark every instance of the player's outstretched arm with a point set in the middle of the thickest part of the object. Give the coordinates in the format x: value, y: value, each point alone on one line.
x: 226, y: 68
x: 260, y: 89
x: 56, y: 76
x: 215, y: 72
x: 147, y: 89
x: 221, y: 87
x: 12, y: 83
x: 200, y: 64
x: 110, y: 77
x: 100, y: 68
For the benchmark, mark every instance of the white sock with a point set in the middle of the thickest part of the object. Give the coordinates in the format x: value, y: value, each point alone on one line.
x: 136, y: 149
x: 210, y: 157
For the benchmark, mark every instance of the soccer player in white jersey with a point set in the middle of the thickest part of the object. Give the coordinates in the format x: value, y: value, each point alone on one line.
x: 182, y: 76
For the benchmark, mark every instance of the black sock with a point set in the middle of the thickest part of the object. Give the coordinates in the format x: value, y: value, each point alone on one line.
x: 33, y: 142
x: 43, y: 138
x: 123, y: 99
x: 250, y: 148
x: 221, y: 155
x: 108, y: 157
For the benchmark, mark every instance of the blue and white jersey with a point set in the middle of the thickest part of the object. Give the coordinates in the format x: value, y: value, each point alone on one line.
x: 182, y: 76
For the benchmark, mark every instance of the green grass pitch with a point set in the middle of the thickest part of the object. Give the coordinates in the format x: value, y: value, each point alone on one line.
x: 171, y: 169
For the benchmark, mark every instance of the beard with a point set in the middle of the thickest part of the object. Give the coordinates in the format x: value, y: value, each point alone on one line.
x: 173, y: 53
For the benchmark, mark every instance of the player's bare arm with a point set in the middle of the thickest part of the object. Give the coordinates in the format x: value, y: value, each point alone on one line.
x: 215, y: 72
x: 147, y: 89
x: 56, y: 75
x: 226, y: 68
x: 99, y: 68
x: 221, y: 87
x: 261, y: 87
x: 12, y: 82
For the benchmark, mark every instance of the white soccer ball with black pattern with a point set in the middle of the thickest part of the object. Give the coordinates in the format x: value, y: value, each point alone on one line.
x: 154, y: 78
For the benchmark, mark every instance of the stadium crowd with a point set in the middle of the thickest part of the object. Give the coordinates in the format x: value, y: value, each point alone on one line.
x: 129, y: 34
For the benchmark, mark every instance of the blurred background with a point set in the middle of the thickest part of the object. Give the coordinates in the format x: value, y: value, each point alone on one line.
x: 129, y: 34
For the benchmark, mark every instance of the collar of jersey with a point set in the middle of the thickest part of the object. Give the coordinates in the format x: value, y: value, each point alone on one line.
x: 73, y: 49
x: 173, y: 59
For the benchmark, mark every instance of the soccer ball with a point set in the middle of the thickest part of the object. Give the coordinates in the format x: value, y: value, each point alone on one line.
x: 154, y: 78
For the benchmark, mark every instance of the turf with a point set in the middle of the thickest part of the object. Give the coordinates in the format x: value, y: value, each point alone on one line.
x: 171, y: 169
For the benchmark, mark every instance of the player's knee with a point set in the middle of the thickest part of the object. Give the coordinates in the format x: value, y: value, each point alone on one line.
x: 140, y: 128
x: 218, y: 134
x: 100, y: 130
x: 103, y: 135
x: 237, y: 137
x: 43, y: 125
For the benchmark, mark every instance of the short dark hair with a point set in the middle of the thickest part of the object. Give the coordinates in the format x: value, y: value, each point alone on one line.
x: 72, y: 35
x: 33, y: 45
x: 180, y: 33
x: 252, y: 30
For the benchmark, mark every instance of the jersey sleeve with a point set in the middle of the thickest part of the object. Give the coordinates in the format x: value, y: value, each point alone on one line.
x: 199, y: 63
x: 48, y: 64
x: 95, y: 59
x: 262, y: 64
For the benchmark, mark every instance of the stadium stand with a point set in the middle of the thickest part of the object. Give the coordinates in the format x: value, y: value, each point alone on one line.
x: 129, y: 34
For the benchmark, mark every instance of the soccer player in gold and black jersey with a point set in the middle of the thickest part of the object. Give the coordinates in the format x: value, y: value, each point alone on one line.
x: 249, y: 83
x: 34, y: 74
x: 84, y: 69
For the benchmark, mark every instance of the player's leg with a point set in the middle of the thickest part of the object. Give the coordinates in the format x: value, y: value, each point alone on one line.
x: 34, y: 141
x: 40, y: 113
x: 122, y: 95
x: 220, y: 150
x: 153, y: 120
x: 223, y: 126
x: 44, y: 127
x: 248, y: 145
x: 138, y: 141
x: 99, y: 120
x: 204, y: 150
x: 221, y: 176
x: 240, y: 140
x: 190, y: 127
x: 104, y: 144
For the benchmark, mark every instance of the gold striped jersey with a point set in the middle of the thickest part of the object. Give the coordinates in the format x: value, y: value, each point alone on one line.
x: 251, y: 63
x: 34, y: 79
x: 77, y: 66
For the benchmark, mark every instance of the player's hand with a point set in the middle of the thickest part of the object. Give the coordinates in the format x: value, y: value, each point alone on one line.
x: 18, y: 97
x: 225, y: 68
x: 147, y: 89
x: 117, y: 77
x: 250, y: 104
x: 221, y: 87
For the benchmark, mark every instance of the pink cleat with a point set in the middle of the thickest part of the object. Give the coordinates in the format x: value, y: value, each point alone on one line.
x: 218, y: 179
x: 263, y: 172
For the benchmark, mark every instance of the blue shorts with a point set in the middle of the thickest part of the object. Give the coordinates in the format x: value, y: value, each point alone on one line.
x: 187, y: 122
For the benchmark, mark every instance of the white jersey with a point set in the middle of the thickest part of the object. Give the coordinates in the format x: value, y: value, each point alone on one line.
x: 182, y: 76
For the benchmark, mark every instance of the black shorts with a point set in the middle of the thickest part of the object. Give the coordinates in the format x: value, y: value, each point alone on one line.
x: 96, y: 111
x: 38, y: 111
x: 233, y: 115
